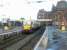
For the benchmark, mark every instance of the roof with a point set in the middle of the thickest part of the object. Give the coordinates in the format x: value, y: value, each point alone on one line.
x: 44, y: 19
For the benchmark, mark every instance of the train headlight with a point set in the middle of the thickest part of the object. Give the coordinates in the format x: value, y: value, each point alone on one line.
x: 28, y: 22
x: 6, y: 27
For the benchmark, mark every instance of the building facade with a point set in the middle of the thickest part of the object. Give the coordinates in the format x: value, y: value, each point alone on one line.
x: 58, y: 13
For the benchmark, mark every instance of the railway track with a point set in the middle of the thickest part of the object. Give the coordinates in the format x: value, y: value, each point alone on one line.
x: 11, y: 41
x: 32, y: 42
x: 9, y: 38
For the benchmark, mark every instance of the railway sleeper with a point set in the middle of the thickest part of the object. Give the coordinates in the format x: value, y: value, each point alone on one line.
x: 13, y: 41
x: 9, y: 39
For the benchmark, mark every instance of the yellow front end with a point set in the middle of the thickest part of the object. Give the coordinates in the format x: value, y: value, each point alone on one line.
x: 27, y: 27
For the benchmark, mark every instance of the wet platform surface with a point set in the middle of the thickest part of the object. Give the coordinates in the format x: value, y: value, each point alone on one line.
x: 58, y: 41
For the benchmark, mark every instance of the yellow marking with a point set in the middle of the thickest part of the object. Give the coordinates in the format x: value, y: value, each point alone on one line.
x: 63, y: 28
x: 27, y: 27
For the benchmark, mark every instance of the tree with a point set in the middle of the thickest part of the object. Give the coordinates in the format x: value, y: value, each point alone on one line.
x: 22, y: 19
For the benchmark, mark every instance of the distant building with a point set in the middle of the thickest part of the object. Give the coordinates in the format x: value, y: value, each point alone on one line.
x: 42, y: 14
x: 58, y: 13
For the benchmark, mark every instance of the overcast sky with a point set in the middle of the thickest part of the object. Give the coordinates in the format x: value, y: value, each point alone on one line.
x: 15, y: 9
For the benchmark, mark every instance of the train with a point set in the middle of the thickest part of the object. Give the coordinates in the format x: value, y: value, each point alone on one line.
x: 30, y: 26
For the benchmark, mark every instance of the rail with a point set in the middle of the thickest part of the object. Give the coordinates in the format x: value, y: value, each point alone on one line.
x: 9, y: 33
x: 42, y: 43
x: 22, y: 42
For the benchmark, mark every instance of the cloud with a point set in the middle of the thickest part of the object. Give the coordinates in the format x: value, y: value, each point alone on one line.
x: 17, y: 8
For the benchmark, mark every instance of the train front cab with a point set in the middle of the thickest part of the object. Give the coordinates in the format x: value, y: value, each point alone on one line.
x: 27, y: 28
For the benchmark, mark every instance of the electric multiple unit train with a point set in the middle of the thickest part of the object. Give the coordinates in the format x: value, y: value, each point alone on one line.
x: 30, y: 26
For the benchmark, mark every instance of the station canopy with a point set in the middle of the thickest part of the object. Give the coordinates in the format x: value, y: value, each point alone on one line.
x: 44, y: 19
